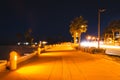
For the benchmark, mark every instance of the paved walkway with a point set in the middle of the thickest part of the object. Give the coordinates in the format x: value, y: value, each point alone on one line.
x: 64, y: 63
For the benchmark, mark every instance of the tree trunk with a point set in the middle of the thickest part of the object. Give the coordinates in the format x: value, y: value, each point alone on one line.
x: 74, y: 38
x: 113, y: 32
x: 79, y: 38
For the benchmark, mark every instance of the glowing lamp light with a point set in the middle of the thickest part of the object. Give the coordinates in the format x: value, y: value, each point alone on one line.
x: 44, y: 42
x: 93, y: 38
x: 89, y: 37
x: 18, y: 43
x: 36, y: 43
x: 26, y: 43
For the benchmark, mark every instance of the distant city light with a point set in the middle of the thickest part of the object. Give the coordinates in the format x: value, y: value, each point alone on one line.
x: 18, y: 43
x: 36, y: 43
x: 90, y: 44
x: 44, y: 42
x: 95, y: 44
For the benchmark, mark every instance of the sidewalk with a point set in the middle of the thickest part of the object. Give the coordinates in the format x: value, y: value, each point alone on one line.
x: 64, y: 63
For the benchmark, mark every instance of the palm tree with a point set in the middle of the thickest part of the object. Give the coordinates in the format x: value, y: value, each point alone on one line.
x: 78, y: 26
x: 111, y: 29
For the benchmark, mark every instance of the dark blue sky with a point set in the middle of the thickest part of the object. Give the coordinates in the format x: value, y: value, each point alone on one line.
x: 50, y: 18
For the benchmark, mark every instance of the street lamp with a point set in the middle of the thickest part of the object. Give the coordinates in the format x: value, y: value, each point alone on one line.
x: 99, y: 11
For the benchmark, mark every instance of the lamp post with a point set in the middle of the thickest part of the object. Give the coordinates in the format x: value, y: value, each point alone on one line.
x: 99, y: 11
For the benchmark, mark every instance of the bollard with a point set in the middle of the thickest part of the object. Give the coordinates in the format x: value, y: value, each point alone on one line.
x: 39, y: 50
x: 13, y: 60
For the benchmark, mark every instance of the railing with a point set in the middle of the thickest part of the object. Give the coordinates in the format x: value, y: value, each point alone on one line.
x: 26, y: 57
x: 3, y: 64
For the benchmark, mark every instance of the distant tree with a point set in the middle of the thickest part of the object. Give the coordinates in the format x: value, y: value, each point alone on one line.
x: 109, y: 32
x: 19, y: 36
x: 28, y: 36
x: 78, y: 26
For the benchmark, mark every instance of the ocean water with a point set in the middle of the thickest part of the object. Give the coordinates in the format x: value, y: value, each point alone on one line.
x: 21, y: 50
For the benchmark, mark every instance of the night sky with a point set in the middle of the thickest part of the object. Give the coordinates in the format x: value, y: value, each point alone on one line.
x: 51, y: 18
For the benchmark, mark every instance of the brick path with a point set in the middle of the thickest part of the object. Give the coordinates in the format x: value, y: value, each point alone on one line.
x: 64, y: 63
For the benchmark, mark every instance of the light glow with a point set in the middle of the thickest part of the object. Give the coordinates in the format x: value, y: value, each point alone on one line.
x: 44, y: 42
x: 90, y: 44
x: 95, y: 44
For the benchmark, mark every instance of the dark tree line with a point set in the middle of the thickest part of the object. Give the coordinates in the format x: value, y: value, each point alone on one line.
x: 26, y: 36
